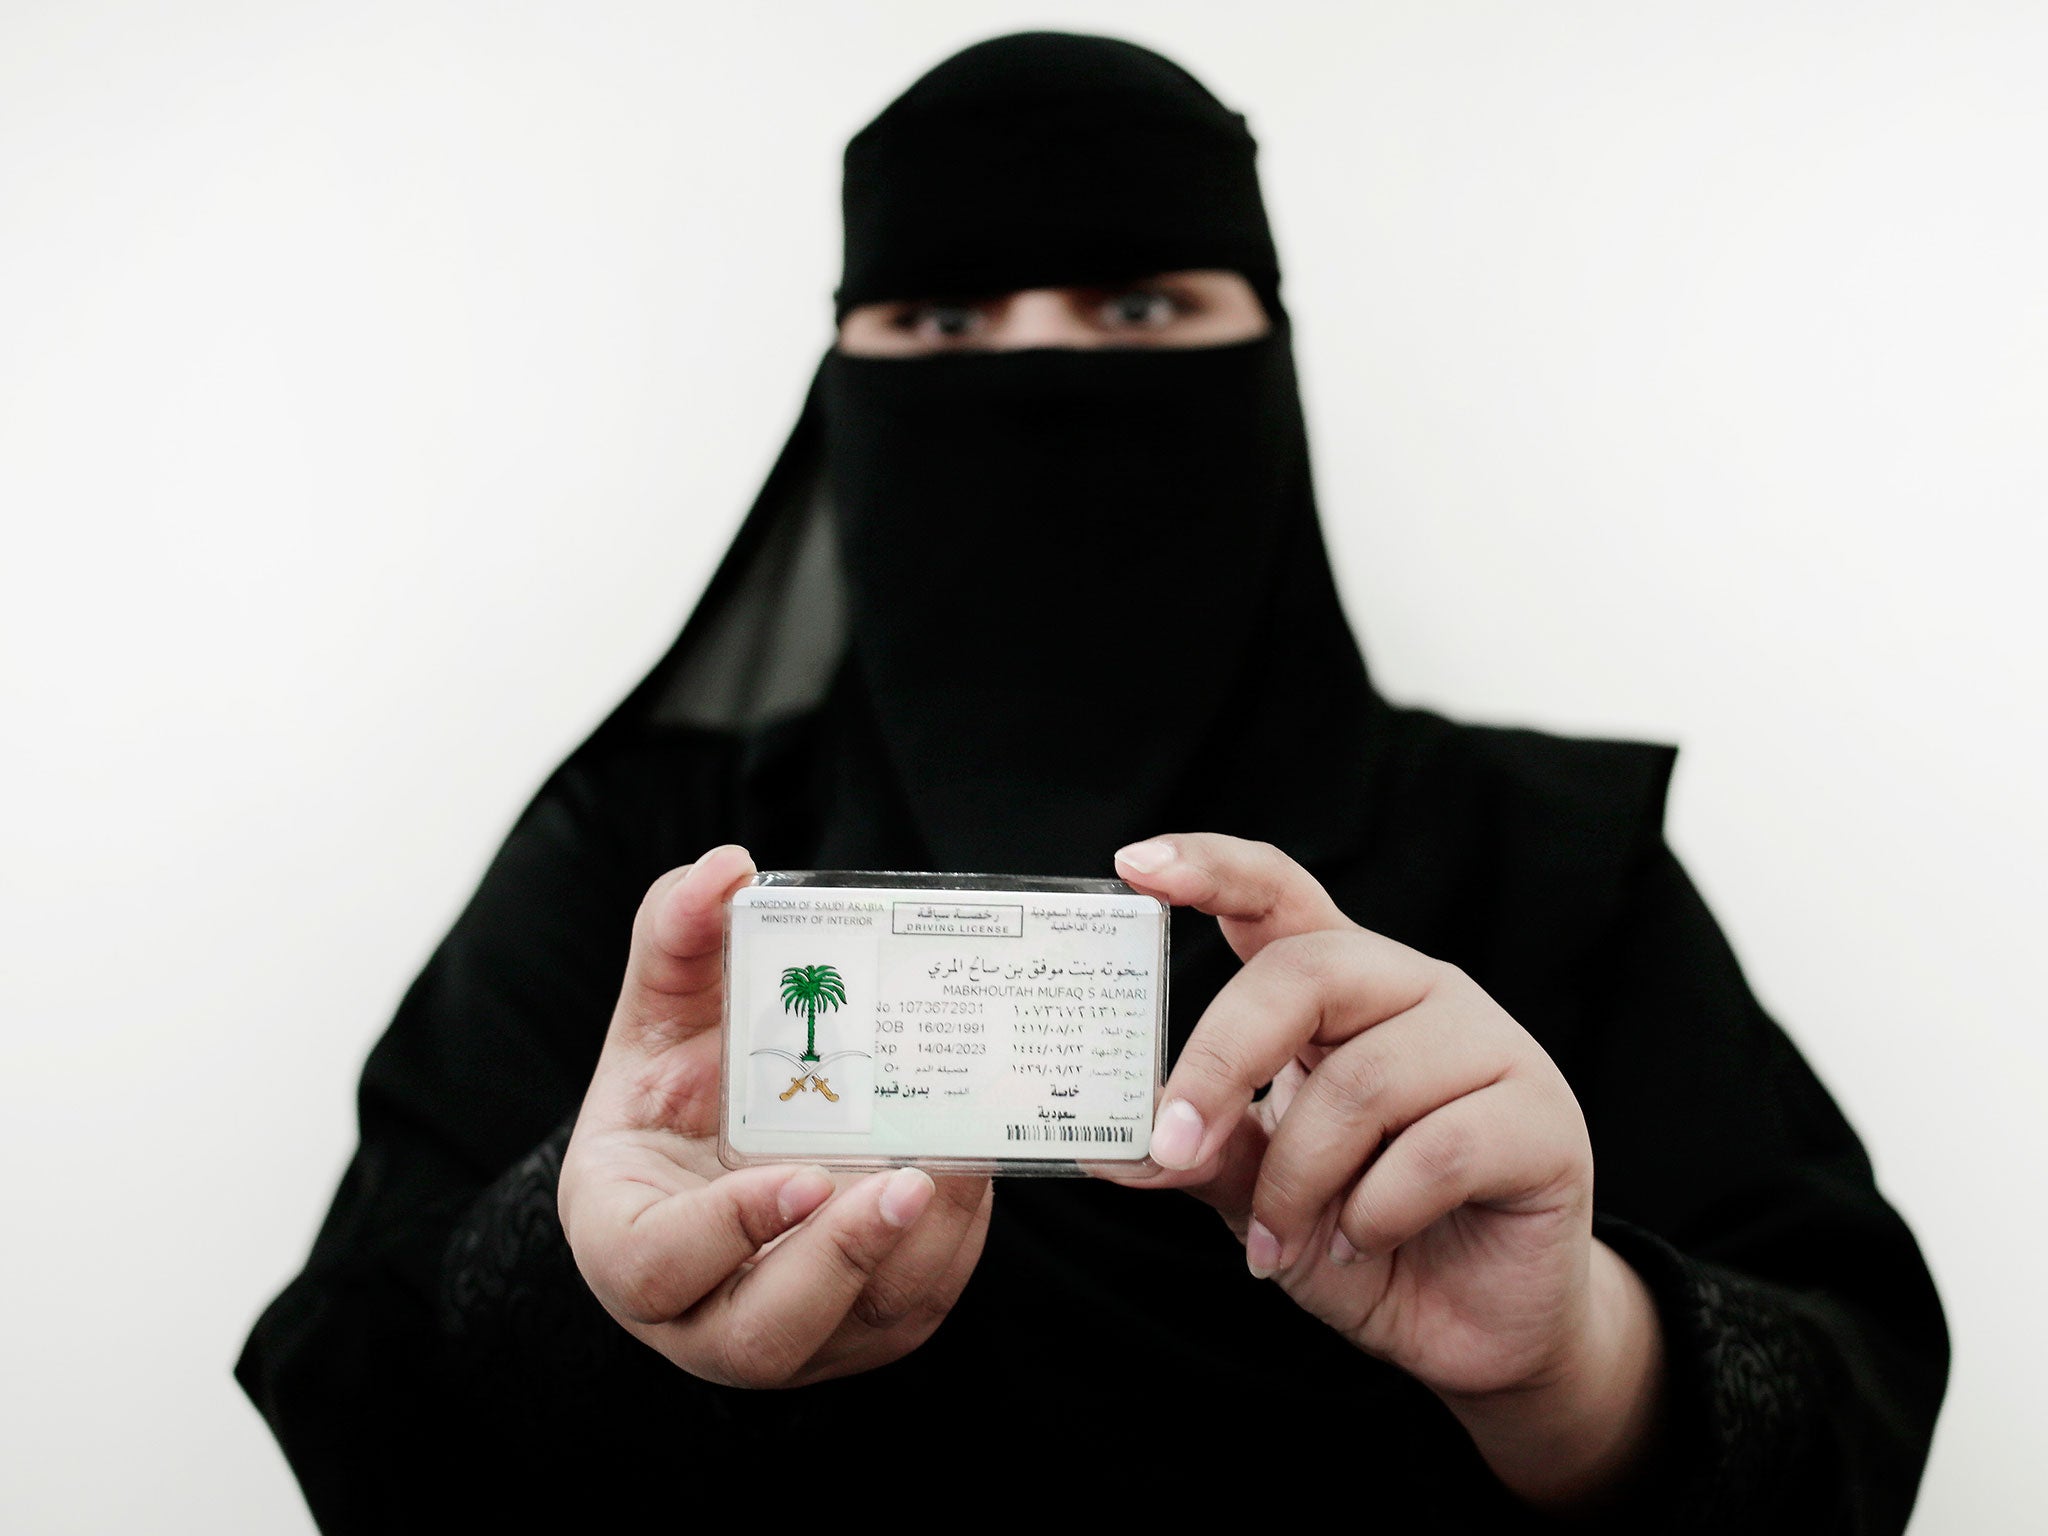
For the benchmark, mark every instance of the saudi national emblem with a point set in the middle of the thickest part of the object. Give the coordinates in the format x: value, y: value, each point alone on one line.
x: 810, y: 990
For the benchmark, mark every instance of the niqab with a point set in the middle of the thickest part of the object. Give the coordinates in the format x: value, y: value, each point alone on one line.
x: 1062, y: 598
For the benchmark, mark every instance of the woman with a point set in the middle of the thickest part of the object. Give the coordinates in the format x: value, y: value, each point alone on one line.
x: 1038, y: 581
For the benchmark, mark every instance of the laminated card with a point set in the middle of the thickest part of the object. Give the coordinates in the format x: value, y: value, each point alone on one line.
x: 1007, y: 1024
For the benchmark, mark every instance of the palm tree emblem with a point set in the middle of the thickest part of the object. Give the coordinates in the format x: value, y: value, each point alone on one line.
x: 811, y: 989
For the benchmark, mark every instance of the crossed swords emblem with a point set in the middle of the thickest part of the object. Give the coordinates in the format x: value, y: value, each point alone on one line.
x: 809, y: 1074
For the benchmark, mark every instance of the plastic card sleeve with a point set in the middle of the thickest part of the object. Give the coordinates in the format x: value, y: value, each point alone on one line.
x: 1007, y: 1024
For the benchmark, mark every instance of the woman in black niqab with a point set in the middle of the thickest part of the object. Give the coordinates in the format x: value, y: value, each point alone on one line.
x: 1006, y: 611
x: 1001, y: 521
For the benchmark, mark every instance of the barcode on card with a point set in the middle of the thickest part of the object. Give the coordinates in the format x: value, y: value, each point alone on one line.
x: 1107, y: 1133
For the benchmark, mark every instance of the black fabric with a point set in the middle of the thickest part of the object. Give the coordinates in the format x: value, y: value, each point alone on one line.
x: 1024, y: 536
x: 439, y: 1358
x: 947, y: 192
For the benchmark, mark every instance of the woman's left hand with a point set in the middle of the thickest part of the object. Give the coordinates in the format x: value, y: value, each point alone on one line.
x: 1419, y: 1176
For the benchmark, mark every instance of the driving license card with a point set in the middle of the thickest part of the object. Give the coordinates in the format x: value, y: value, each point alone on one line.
x: 1009, y: 1024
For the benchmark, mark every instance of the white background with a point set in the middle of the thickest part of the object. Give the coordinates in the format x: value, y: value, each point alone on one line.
x: 378, y: 382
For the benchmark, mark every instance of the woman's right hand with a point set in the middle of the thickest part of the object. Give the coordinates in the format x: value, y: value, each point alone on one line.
x: 768, y: 1277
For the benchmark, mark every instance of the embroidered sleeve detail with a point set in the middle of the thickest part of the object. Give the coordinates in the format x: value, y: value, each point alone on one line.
x: 513, y: 1303
x: 1741, y: 1387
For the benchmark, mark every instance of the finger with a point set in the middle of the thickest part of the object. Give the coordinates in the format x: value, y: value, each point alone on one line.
x: 1257, y: 892
x: 761, y: 1331
x: 676, y: 963
x: 858, y: 1345
x: 1373, y: 1086
x: 910, y: 1284
x: 650, y: 1256
x: 1307, y: 989
x: 1286, y: 1084
x: 1225, y: 1179
x: 1491, y: 1147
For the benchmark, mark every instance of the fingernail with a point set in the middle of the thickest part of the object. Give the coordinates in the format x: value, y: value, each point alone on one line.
x: 803, y: 1192
x: 1261, y: 1250
x: 1341, y: 1251
x: 905, y: 1196
x: 1148, y: 857
x: 1177, y: 1135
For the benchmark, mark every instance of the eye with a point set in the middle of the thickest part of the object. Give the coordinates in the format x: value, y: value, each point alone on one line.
x: 1140, y: 309
x: 942, y: 322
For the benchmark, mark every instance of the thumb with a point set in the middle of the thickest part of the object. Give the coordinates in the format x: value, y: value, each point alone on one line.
x: 1225, y: 1180
x: 676, y: 969
x: 1232, y: 1174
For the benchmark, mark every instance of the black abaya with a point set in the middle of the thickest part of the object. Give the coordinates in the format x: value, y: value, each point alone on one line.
x: 441, y: 1358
